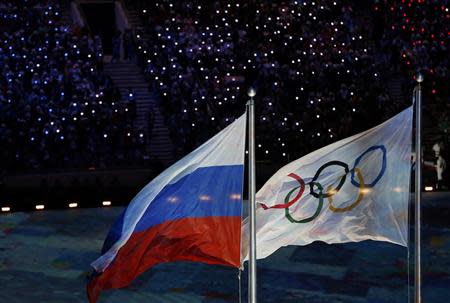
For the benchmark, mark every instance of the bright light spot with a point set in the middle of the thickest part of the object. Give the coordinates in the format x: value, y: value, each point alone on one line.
x: 172, y: 199
x: 428, y: 188
x: 204, y: 198
x: 73, y: 205
x: 106, y: 203
x: 40, y: 207
x: 398, y: 189
x: 365, y: 191
x: 235, y: 196
x: 332, y: 192
x: 6, y: 209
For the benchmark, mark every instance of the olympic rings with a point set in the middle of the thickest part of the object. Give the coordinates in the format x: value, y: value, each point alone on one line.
x: 296, y: 198
x: 309, y: 219
x: 316, y: 176
x: 330, y: 190
x: 356, y: 202
x: 383, y: 166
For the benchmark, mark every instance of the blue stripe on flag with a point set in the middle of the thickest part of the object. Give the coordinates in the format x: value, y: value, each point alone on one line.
x: 207, y: 191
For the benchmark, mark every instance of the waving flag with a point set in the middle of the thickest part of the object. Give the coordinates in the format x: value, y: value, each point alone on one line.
x: 190, y: 212
x: 353, y: 190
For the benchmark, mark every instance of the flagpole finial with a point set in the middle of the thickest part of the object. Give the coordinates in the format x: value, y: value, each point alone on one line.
x: 419, y: 78
x: 251, y: 92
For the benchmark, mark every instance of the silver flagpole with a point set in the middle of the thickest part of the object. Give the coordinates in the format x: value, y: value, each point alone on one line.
x: 251, y: 198
x: 418, y: 190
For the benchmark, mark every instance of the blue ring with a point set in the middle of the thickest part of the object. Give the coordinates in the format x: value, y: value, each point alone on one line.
x: 383, y: 166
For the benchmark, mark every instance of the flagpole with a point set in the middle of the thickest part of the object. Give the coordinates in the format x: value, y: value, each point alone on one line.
x: 418, y: 191
x: 251, y: 197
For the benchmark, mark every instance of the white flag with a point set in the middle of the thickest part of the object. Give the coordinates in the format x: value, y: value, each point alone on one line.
x: 352, y: 190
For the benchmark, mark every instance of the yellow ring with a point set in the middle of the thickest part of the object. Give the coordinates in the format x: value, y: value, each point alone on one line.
x: 354, y: 204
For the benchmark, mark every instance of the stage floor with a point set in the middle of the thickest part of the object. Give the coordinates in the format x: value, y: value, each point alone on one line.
x: 45, y: 256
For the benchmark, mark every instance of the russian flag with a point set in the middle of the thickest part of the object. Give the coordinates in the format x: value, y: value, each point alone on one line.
x: 190, y: 212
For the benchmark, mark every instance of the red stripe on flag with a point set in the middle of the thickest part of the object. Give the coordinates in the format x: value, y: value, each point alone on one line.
x: 212, y: 240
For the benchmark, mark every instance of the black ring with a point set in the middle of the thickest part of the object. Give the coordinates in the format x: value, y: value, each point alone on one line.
x: 316, y: 176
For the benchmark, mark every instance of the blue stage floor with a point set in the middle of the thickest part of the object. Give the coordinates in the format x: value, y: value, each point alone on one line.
x: 45, y: 256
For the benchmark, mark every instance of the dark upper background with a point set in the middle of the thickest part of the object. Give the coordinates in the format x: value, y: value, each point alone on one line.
x: 75, y: 125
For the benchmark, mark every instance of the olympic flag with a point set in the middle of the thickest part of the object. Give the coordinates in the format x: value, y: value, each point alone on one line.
x: 352, y: 190
x: 190, y: 212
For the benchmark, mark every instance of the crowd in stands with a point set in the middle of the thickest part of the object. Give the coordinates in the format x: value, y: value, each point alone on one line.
x: 57, y: 107
x: 317, y: 76
x: 415, y: 37
x: 320, y: 69
x: 416, y: 33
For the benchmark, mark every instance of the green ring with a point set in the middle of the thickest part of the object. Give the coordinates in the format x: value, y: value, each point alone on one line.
x: 315, y: 215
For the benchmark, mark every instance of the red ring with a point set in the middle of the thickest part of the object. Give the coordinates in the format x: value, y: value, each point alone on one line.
x: 296, y: 198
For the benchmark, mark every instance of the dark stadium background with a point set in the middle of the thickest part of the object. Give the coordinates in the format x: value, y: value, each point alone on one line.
x: 80, y: 125
x: 99, y: 97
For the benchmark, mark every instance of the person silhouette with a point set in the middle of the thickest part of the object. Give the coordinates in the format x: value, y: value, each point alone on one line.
x: 440, y: 165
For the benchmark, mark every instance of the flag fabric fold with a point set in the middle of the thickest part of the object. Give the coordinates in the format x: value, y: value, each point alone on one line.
x: 190, y: 212
x: 352, y: 190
